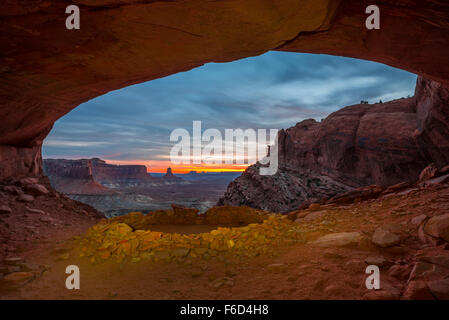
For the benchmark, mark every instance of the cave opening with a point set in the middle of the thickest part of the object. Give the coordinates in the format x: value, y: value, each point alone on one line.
x: 113, y: 152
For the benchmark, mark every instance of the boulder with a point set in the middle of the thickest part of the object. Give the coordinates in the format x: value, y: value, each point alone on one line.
x: 359, y: 194
x: 428, y: 172
x: 427, y: 271
x: 384, y: 238
x: 440, y: 288
x: 397, y: 187
x: 277, y: 268
x: 439, y: 259
x: 25, y: 198
x: 386, y: 292
x: 5, y: 209
x: 13, y: 260
x: 418, y: 219
x: 13, y: 190
x: 338, y: 240
x: 343, y: 156
x: 27, y: 181
x: 444, y: 170
x: 438, y: 227
x: 184, y: 215
x: 417, y: 290
x: 401, y: 272
x: 312, y: 216
x: 17, y: 278
x: 35, y: 211
x: 36, y: 189
x: 376, y: 260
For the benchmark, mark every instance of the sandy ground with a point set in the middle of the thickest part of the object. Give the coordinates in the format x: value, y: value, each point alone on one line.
x: 303, y: 272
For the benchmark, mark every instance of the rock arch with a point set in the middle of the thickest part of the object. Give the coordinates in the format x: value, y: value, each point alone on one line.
x: 47, y: 70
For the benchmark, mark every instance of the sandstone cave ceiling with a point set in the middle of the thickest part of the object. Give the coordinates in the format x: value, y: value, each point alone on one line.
x: 47, y: 71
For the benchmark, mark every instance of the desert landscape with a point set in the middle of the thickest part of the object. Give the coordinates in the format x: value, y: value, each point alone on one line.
x: 118, y: 189
x: 356, y: 185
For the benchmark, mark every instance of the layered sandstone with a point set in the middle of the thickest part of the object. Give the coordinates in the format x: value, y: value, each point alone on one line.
x: 73, y: 176
x: 360, y: 145
x: 95, y: 176
x: 47, y: 70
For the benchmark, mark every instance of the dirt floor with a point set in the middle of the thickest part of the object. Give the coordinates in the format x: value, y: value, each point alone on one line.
x: 297, y: 271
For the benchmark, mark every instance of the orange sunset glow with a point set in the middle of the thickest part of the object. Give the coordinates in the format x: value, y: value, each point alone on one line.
x: 161, y: 166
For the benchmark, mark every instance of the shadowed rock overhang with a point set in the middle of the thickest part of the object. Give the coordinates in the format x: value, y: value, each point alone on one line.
x: 47, y: 70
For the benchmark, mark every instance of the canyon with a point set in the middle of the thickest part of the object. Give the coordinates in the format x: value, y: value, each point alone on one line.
x: 401, y: 146
x: 58, y: 69
x: 381, y: 144
x: 119, y: 189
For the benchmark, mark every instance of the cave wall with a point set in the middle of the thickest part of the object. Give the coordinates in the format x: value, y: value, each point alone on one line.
x: 357, y: 146
x: 47, y: 70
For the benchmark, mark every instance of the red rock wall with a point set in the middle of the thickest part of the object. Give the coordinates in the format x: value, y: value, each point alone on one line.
x: 107, y: 172
x: 20, y: 162
x: 47, y: 70
x: 433, y: 121
x: 96, y: 168
x: 360, y: 145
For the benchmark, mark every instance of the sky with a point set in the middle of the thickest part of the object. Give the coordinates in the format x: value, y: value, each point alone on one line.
x: 276, y: 90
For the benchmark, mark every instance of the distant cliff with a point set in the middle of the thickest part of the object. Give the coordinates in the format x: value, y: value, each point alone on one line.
x: 95, y: 176
x: 383, y: 144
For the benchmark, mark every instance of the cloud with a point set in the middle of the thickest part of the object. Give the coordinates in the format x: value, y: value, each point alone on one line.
x: 274, y: 90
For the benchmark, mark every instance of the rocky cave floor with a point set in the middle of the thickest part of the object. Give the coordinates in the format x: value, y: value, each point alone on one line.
x: 404, y: 231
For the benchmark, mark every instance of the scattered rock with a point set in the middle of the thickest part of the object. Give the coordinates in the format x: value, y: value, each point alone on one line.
x: 46, y: 219
x: 276, y: 267
x: 161, y: 256
x: 418, y: 219
x: 417, y: 290
x: 180, y: 252
x: 64, y: 256
x: 9, y: 269
x: 440, y: 288
x: 386, y: 292
x: 36, y: 211
x: 196, y: 274
x: 27, y: 181
x: 428, y: 172
x: 400, y: 272
x: 29, y: 266
x: 314, y: 207
x: 385, y: 238
x: 359, y: 194
x: 17, y: 278
x: 377, y: 261
x: 338, y: 239
x: 427, y: 271
x: 442, y: 260
x: 5, y: 209
x: 397, y: 187
x: 36, y: 189
x: 444, y: 170
x: 335, y: 290
x: 438, y: 227
x: 60, y: 250
x: 25, y: 198
x: 13, y: 260
x: 219, y: 282
x: 333, y: 255
x: 313, y: 216
x: 13, y: 190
